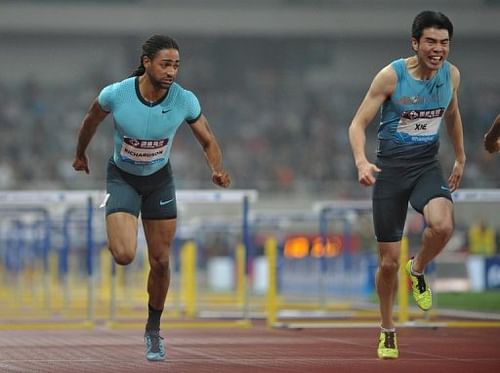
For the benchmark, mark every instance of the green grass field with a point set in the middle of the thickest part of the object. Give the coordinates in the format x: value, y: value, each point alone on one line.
x: 488, y: 301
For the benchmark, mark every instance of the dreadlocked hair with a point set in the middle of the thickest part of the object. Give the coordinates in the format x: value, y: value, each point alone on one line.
x: 151, y: 46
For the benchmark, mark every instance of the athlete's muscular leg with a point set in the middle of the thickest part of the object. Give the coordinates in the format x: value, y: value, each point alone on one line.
x: 438, y: 215
x: 387, y: 280
x: 159, y: 235
x: 122, y: 236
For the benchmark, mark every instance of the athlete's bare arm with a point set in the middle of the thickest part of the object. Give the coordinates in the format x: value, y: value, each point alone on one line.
x: 492, y: 137
x: 454, y: 128
x: 382, y: 87
x: 203, y: 133
x: 95, y: 115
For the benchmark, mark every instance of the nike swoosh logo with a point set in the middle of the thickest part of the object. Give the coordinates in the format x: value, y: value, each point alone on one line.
x: 163, y: 203
x: 445, y: 188
x: 166, y: 111
x: 103, y: 204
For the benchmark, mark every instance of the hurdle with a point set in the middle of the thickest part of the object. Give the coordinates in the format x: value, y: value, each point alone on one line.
x: 72, y: 213
x: 184, y: 295
x: 278, y: 305
x: 406, y: 316
x: 48, y: 314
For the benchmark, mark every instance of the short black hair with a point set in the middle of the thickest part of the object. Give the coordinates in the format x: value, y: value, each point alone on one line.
x: 152, y: 46
x: 429, y: 18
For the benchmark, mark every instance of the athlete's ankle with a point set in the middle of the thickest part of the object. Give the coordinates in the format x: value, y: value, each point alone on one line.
x: 413, y: 271
x: 392, y: 329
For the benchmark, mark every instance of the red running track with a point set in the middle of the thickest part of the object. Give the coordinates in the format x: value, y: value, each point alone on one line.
x: 251, y: 350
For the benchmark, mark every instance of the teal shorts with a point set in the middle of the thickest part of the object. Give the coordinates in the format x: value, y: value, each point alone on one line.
x: 152, y: 196
x: 398, y: 185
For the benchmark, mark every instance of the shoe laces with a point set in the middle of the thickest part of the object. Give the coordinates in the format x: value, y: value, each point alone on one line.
x: 389, y: 340
x: 154, y: 340
x: 421, y: 286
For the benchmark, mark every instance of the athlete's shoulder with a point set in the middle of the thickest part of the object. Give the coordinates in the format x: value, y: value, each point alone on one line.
x: 187, y: 100
x: 396, y: 69
x: 180, y: 90
x: 184, y: 96
x: 454, y: 73
x: 386, y: 79
x: 120, y: 85
x: 110, y: 94
x: 391, y: 70
x: 128, y: 83
x: 399, y: 63
x: 451, y: 67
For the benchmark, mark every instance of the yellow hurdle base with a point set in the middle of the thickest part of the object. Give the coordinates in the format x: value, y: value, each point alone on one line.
x: 63, y: 325
x: 187, y: 324
x: 372, y: 324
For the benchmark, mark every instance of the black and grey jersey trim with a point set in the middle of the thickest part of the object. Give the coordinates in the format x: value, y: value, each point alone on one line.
x: 191, y: 121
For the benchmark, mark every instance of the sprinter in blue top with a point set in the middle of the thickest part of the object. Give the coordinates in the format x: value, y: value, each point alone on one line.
x: 144, y: 130
x: 412, y: 116
x: 416, y: 94
x: 147, y: 110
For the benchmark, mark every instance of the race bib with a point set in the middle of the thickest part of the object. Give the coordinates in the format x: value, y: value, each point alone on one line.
x: 419, y: 126
x: 143, y: 151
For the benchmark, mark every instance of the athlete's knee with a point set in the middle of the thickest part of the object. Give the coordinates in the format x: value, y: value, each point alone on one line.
x: 388, y: 266
x: 160, y: 266
x: 122, y: 255
x: 123, y: 259
x: 442, y: 229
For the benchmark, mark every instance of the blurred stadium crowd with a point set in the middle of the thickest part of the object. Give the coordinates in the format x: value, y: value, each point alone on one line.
x: 280, y: 118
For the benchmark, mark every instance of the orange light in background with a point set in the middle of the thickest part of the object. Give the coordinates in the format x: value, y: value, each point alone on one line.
x: 296, y: 247
x: 332, y: 247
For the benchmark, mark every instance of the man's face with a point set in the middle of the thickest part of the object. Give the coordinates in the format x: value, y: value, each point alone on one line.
x: 162, y: 69
x: 433, y: 47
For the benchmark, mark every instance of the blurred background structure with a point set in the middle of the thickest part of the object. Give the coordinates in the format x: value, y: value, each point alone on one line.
x: 279, y: 81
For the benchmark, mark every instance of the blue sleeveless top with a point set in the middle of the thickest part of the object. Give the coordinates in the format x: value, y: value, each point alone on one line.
x: 144, y: 131
x: 412, y: 116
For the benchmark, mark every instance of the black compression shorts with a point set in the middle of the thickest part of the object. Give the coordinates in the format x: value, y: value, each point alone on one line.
x: 153, y: 195
x: 398, y: 185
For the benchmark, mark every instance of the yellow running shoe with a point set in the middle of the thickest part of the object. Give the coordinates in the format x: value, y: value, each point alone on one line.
x: 387, y: 346
x: 421, y: 292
